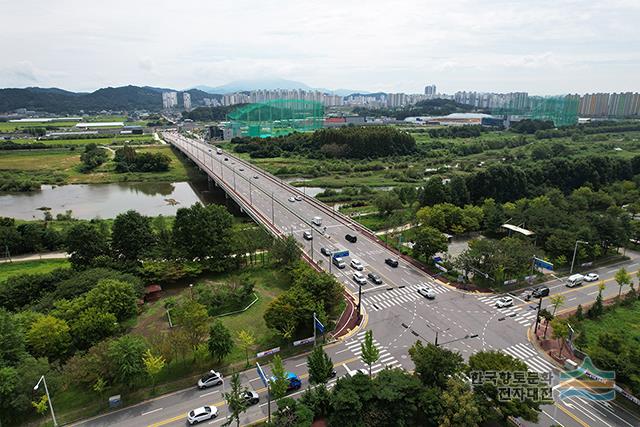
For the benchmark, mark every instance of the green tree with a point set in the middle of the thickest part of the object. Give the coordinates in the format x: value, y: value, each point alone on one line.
x: 598, y: 307
x: 386, y: 202
x: 92, y: 157
x: 428, y: 242
x: 434, y: 365
x: 131, y: 236
x: 433, y: 192
x: 320, y: 366
x: 203, y: 233
x: 126, y: 356
x: 488, y: 393
x: 292, y: 413
x: 560, y: 331
x: 49, y: 336
x: 192, y: 318
x: 556, y: 301
x: 235, y: 400
x: 370, y: 352
x: 247, y: 340
x: 458, y: 191
x: 113, y: 296
x: 459, y: 405
x: 84, y: 243
x: 279, y: 383
x: 92, y: 325
x: 622, y: 278
x: 153, y: 365
x: 220, y: 341
x: 12, y: 339
x: 286, y: 251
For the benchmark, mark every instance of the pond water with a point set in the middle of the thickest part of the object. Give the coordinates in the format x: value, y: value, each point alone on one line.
x: 87, y: 201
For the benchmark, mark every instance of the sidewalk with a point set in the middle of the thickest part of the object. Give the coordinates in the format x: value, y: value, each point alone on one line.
x: 36, y: 257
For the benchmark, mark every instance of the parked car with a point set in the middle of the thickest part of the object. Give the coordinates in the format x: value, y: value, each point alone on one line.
x: 339, y: 262
x: 375, y: 278
x: 202, y: 413
x: 251, y: 397
x: 539, y: 292
x: 292, y: 199
x: 591, y: 277
x: 391, y: 262
x: 307, y: 235
x: 211, y: 379
x: 357, y: 265
x: 427, y: 293
x: 359, y: 278
x: 351, y: 238
x: 504, y: 302
x: 298, y: 198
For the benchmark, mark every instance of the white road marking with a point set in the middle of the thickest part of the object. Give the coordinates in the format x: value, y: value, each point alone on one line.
x: 210, y: 393
x: 151, y: 412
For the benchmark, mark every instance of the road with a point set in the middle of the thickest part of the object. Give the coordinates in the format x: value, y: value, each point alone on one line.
x: 394, y: 311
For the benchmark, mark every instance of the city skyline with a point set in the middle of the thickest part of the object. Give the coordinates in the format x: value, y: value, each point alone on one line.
x: 544, y: 48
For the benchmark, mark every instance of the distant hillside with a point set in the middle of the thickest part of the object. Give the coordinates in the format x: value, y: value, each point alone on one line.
x: 55, y: 100
x: 431, y: 107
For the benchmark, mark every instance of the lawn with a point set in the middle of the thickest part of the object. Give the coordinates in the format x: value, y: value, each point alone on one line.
x: 622, y: 320
x: 114, y: 140
x: 8, y: 269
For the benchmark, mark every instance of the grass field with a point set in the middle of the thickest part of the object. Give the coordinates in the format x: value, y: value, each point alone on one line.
x: 622, y: 320
x: 116, y: 140
x: 8, y: 269
x: 56, y: 163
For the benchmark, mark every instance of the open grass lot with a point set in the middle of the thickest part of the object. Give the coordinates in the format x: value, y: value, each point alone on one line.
x: 8, y: 269
x: 58, y: 166
x: 11, y: 127
x: 115, y: 140
x: 623, y: 320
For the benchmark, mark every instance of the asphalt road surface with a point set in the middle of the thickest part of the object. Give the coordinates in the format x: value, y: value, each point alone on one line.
x: 396, y: 313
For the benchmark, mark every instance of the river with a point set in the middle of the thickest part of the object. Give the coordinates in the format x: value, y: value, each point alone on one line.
x: 87, y: 201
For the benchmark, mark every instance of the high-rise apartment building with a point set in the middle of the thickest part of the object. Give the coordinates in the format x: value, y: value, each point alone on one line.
x: 169, y: 100
x: 430, y: 90
x: 186, y: 97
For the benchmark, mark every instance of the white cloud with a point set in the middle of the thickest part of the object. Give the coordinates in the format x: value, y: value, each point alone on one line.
x: 378, y: 44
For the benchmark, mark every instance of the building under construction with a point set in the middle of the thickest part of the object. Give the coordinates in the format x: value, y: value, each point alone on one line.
x: 275, y: 117
x: 561, y: 110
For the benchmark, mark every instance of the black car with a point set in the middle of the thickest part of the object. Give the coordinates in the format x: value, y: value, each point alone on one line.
x: 391, y: 262
x: 351, y: 238
x: 374, y: 278
x: 540, y: 292
x: 326, y: 251
x: 226, y: 159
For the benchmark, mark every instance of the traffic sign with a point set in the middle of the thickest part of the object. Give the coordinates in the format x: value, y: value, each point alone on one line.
x: 261, y: 374
x: 542, y: 263
x: 341, y: 254
x: 440, y: 267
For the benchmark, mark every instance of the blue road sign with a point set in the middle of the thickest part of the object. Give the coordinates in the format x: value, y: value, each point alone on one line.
x: 341, y: 254
x: 542, y: 263
x: 262, y: 375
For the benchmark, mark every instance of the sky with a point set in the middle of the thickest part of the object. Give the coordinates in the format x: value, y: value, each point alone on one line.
x: 543, y: 47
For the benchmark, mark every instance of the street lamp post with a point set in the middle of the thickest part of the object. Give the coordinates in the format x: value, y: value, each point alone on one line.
x: 46, y: 390
x: 273, y: 216
x: 575, y: 249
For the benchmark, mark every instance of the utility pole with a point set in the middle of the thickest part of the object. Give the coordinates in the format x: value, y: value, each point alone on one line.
x: 46, y: 390
x: 538, y: 315
x: 575, y: 249
x: 359, y: 301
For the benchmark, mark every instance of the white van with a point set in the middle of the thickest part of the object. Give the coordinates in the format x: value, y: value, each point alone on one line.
x: 317, y: 221
x: 574, y: 280
x: 218, y: 151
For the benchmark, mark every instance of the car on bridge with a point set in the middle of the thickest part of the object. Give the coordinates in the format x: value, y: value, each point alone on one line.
x: 202, y: 413
x: 255, y: 177
x: 357, y: 265
x: 307, y: 235
x: 351, y: 238
x: 339, y: 262
x: 375, y: 278
x: 591, y: 277
x: 226, y: 159
x: 326, y: 251
x: 540, y: 291
x: 359, y: 278
x: 391, y: 262
x: 298, y: 198
x: 292, y: 199
x: 504, y: 302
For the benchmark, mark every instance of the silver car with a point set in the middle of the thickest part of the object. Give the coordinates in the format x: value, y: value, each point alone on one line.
x: 427, y: 293
x: 213, y: 378
x: 202, y: 413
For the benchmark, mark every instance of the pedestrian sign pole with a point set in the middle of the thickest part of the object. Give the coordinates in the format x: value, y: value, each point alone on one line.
x: 317, y: 325
x: 263, y: 377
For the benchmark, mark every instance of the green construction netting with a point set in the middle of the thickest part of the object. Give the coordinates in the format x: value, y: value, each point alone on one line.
x: 276, y: 117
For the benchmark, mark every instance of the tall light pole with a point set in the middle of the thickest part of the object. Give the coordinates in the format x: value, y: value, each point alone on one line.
x: 273, y: 221
x: 46, y: 390
x: 575, y: 249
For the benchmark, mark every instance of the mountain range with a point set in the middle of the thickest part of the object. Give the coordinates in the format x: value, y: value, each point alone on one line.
x: 56, y: 100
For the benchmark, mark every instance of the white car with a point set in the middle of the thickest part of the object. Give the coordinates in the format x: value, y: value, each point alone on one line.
x: 292, y: 199
x: 212, y: 378
x: 202, y: 413
x: 357, y: 265
x: 504, y: 302
x: 427, y: 293
x: 298, y: 198
x: 307, y: 235
x: 591, y: 277
x: 359, y: 278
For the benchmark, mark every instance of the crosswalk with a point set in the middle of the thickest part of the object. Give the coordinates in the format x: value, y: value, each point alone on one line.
x: 526, y: 317
x: 386, y: 359
x: 529, y: 356
x: 376, y: 301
